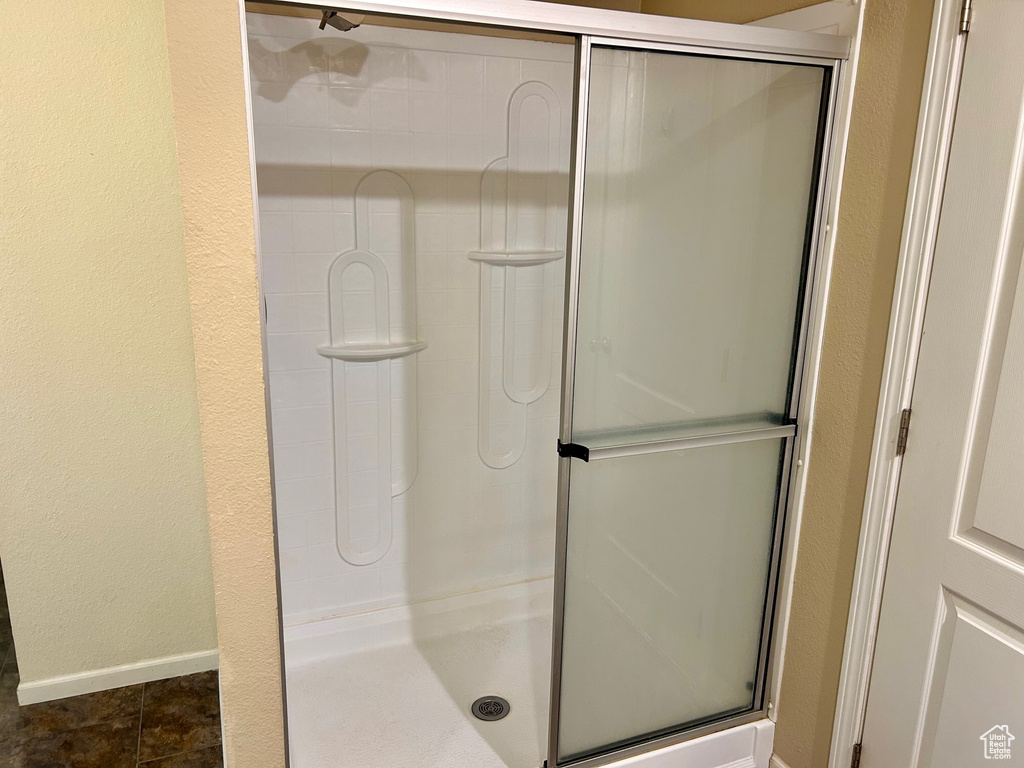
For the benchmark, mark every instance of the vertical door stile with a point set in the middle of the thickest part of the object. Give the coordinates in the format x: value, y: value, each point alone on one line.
x: 572, y: 284
x: 807, y: 350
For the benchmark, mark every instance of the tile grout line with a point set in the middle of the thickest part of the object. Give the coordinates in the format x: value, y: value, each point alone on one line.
x: 176, y: 754
x: 138, y: 741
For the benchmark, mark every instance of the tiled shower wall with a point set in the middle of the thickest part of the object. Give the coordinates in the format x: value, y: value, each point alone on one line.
x: 432, y: 107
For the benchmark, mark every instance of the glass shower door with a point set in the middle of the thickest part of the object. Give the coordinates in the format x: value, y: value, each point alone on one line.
x: 692, y: 245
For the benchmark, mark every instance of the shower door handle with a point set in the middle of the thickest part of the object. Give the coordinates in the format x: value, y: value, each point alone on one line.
x: 573, y: 451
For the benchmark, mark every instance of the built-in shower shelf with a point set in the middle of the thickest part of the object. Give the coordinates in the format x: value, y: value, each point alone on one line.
x: 372, y: 352
x: 507, y: 258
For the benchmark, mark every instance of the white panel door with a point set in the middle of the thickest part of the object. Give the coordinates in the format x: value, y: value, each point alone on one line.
x: 947, y: 687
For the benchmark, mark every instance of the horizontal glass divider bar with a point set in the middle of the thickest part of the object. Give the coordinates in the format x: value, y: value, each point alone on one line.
x: 694, y: 441
x: 577, y: 20
x: 650, y: 433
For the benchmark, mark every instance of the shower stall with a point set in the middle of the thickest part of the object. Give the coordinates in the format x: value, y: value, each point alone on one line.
x: 541, y: 297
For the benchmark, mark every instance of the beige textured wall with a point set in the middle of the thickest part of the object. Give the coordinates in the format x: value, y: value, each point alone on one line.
x: 204, y: 46
x: 731, y: 11
x: 882, y: 135
x: 103, y: 530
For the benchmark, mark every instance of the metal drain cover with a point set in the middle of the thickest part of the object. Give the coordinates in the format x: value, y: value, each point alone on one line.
x: 490, y: 708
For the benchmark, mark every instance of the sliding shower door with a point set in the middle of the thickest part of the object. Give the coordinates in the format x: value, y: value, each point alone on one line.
x: 697, y: 195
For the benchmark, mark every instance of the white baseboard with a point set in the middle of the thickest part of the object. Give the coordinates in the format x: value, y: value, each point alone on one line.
x: 776, y: 762
x: 104, y: 679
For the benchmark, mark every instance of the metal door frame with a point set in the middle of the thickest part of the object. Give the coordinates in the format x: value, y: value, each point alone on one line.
x: 792, y: 433
x: 533, y: 16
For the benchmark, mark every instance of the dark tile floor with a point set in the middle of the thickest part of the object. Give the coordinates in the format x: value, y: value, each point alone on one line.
x: 171, y: 723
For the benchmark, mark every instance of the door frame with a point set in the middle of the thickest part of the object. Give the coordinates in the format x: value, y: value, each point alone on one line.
x: 789, y: 35
x: 913, y: 274
x: 534, y: 16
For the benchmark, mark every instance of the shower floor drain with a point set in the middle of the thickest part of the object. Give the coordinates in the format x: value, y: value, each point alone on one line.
x: 490, y: 707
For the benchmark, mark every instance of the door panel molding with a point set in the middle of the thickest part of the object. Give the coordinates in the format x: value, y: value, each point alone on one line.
x: 962, y: 628
x: 985, y: 512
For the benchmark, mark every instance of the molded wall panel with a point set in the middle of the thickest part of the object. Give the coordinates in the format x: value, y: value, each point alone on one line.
x: 433, y: 109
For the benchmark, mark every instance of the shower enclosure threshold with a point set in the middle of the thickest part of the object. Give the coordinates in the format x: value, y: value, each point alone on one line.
x: 338, y: 636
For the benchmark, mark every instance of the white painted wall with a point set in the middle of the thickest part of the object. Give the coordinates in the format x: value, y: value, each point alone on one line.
x: 103, y: 529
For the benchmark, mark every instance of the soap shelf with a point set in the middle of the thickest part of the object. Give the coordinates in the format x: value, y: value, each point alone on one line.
x: 395, y: 370
x: 519, y: 201
x: 371, y: 352
x: 515, y: 258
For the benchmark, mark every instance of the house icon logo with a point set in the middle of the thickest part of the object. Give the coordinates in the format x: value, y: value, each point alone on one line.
x: 997, y: 742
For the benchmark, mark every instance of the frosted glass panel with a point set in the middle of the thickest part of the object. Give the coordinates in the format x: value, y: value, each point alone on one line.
x: 699, y: 189
x: 667, y: 565
x: 699, y: 178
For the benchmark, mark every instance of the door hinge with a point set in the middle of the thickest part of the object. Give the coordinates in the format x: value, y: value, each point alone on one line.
x: 965, y: 17
x: 855, y: 759
x: 901, y: 440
